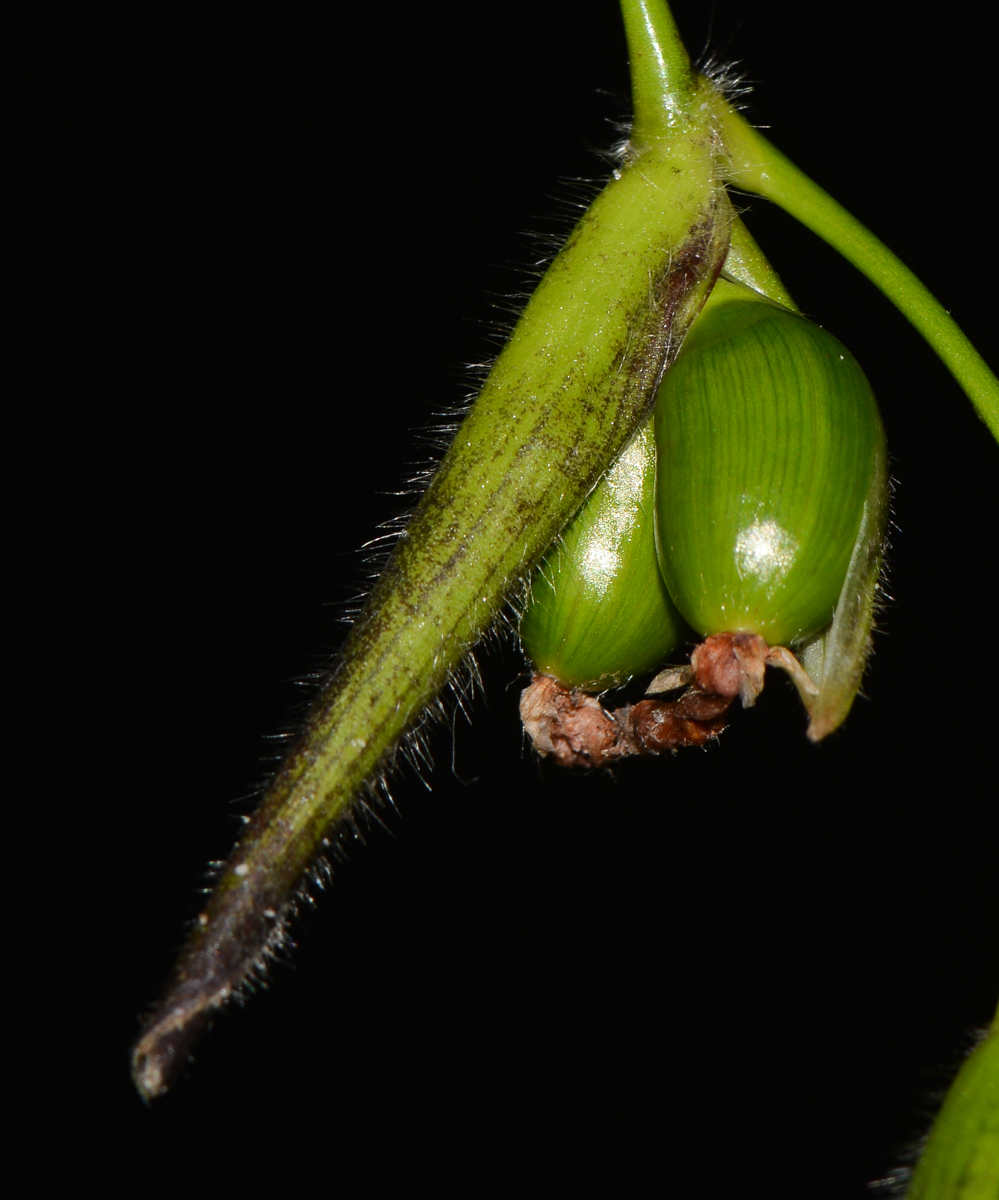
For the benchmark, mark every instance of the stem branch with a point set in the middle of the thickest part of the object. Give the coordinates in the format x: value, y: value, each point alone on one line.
x: 760, y: 167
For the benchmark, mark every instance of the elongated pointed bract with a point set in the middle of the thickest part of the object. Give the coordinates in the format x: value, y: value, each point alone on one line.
x: 835, y: 658
x: 575, y: 380
x: 768, y: 437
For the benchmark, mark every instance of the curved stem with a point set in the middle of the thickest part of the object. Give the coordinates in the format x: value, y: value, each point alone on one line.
x: 760, y: 167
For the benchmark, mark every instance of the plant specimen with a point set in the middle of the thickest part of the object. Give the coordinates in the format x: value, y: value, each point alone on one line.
x: 684, y: 274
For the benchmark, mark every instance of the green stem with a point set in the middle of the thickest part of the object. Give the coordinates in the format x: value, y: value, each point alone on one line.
x: 759, y: 167
x: 662, y: 82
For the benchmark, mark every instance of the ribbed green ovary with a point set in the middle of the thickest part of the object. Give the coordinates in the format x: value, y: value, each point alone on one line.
x: 767, y: 434
x: 599, y: 611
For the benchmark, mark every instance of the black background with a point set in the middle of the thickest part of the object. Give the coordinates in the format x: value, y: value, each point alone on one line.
x: 254, y: 248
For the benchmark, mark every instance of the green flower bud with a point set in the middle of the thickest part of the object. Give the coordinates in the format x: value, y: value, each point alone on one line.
x: 768, y: 439
x: 599, y: 612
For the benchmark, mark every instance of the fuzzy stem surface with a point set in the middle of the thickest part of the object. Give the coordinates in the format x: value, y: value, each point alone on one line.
x: 577, y: 376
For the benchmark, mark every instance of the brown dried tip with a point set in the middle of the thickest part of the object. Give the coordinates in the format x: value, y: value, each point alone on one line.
x: 577, y: 731
x: 731, y: 664
x: 161, y: 1052
x: 228, y: 946
x: 571, y: 726
x: 724, y: 666
x: 694, y: 719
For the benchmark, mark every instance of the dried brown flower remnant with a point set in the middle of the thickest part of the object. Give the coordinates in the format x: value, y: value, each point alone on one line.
x: 571, y: 726
x: 696, y: 718
x: 731, y: 664
x: 576, y: 730
x: 722, y: 667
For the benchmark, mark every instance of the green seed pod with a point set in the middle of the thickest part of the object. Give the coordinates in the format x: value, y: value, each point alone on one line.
x: 599, y: 611
x: 768, y: 439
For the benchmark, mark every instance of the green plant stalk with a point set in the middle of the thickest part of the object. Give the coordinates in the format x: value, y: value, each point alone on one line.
x: 757, y: 166
x: 961, y: 1157
x: 577, y: 376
